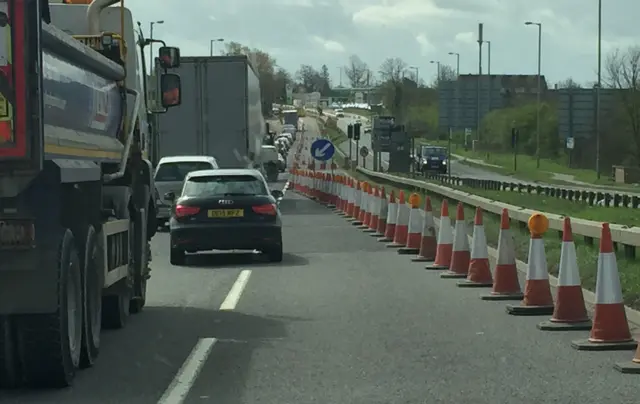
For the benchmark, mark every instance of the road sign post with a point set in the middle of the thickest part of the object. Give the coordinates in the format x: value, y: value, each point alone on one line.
x: 322, y: 149
x: 364, y: 152
x: 350, y: 137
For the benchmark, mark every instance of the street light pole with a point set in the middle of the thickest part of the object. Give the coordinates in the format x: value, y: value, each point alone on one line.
x: 489, y: 75
x: 539, y: 89
x: 457, y: 114
x: 438, y: 71
x: 417, y: 69
x: 152, y: 65
x: 598, y: 89
x: 212, y: 45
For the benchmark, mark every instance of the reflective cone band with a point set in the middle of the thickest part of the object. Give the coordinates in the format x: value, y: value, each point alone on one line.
x: 375, y: 212
x: 384, y: 212
x: 444, y: 248
x: 610, y: 329
x: 479, y: 273
x: 460, y: 256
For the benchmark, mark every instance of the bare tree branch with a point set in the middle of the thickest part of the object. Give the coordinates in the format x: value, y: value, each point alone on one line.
x: 356, y: 71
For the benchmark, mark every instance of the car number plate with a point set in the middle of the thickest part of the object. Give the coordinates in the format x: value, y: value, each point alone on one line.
x: 435, y: 158
x: 225, y: 213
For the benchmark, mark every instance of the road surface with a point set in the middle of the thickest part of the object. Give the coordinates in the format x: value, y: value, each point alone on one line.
x: 341, y: 320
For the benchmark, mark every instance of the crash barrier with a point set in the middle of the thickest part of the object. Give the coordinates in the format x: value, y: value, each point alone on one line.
x: 457, y: 258
x: 589, y: 197
x: 628, y: 237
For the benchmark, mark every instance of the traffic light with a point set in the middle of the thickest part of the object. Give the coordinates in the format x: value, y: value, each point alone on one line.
x: 350, y: 131
x: 356, y: 131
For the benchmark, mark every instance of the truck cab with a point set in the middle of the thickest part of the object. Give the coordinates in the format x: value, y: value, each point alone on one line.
x: 76, y: 200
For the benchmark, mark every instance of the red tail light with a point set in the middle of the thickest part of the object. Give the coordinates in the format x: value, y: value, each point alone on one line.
x: 268, y: 209
x: 184, y: 211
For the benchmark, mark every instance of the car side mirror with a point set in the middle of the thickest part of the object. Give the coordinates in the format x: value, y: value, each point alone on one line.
x: 276, y: 193
x: 170, y: 196
x: 169, y: 57
x: 170, y: 87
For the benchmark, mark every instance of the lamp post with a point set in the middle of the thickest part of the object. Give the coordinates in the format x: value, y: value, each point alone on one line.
x: 437, y: 63
x: 417, y: 69
x: 489, y: 75
x: 457, y: 114
x: 539, y: 89
x: 598, y: 88
x: 152, y: 65
x: 212, y: 44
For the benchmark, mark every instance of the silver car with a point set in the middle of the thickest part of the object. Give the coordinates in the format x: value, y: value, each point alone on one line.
x: 169, y: 176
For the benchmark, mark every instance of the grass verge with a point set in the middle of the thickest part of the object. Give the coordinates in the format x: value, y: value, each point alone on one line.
x: 587, y: 255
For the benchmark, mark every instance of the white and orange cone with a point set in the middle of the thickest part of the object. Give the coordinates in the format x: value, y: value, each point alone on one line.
x: 392, y: 215
x: 402, y: 224
x: 610, y: 330
x: 375, y: 212
x: 382, y: 214
x: 632, y: 367
x: 357, y: 200
x: 367, y: 204
x: 479, y: 273
x: 414, y: 231
x: 350, y: 199
x: 444, y: 249
x: 570, y: 312
x: 428, y: 240
x: 537, y: 291
x: 506, y: 285
x: 364, y: 198
x: 460, y: 256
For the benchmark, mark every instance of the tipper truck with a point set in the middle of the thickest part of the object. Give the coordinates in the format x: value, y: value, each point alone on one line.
x: 221, y: 115
x: 76, y: 206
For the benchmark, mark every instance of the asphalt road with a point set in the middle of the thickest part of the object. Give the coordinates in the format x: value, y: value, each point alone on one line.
x: 341, y: 320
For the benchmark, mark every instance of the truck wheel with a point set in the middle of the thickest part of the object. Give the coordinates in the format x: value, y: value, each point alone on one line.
x: 115, y: 308
x: 50, y: 344
x: 93, y: 275
x: 9, y: 370
x: 137, y: 304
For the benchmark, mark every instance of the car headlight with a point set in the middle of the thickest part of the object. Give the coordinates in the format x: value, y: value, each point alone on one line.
x: 444, y: 162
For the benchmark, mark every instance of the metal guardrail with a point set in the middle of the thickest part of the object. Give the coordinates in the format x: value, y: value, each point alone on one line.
x: 628, y: 237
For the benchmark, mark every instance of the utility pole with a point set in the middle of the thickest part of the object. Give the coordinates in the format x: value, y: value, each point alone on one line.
x: 598, y: 88
x: 539, y: 89
x: 212, y: 44
x: 152, y: 65
x: 480, y: 42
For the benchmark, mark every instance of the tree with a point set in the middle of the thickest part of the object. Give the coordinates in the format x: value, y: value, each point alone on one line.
x: 568, y: 83
x: 392, y: 70
x: 445, y: 73
x: 308, y: 78
x: 356, y: 72
x: 325, y: 76
x: 622, y: 72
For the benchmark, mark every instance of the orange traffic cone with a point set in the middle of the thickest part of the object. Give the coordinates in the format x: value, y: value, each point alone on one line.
x: 428, y: 241
x: 367, y: 199
x: 610, y: 329
x: 444, y: 249
x: 382, y: 215
x: 402, y: 224
x: 363, y: 204
x: 506, y: 285
x: 375, y: 212
x: 537, y: 292
x: 414, y: 231
x: 632, y: 367
x: 392, y: 215
x: 356, y: 204
x: 570, y: 313
x: 479, y: 267
x: 460, y: 256
x: 350, y: 199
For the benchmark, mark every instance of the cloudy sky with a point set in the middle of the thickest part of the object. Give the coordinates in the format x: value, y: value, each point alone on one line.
x: 320, y: 32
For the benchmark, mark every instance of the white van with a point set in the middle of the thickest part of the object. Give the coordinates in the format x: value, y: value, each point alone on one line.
x: 169, y: 176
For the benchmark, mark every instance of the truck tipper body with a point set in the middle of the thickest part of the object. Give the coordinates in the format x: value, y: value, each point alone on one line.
x: 220, y: 115
x: 76, y: 201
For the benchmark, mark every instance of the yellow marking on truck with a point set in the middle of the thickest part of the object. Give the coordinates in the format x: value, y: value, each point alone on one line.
x: 81, y: 152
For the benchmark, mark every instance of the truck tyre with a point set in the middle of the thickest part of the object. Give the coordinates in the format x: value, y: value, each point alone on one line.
x: 9, y: 370
x: 50, y: 344
x: 94, y: 281
x: 137, y: 304
x: 115, y: 308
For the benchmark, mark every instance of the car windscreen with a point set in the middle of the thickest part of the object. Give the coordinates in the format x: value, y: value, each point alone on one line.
x: 434, y: 151
x: 220, y: 185
x: 177, y: 171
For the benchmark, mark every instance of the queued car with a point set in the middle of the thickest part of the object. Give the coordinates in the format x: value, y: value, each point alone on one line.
x: 432, y: 158
x: 169, y: 176
x: 229, y: 209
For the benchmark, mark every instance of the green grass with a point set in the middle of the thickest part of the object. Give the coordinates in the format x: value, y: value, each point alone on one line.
x: 587, y: 254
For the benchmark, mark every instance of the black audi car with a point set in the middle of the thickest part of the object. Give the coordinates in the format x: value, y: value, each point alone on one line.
x: 432, y: 158
x: 225, y: 209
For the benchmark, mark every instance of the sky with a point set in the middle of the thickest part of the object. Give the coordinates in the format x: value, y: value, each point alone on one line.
x: 318, y: 32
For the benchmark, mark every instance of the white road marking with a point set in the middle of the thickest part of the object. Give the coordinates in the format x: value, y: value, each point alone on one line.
x: 186, y: 377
